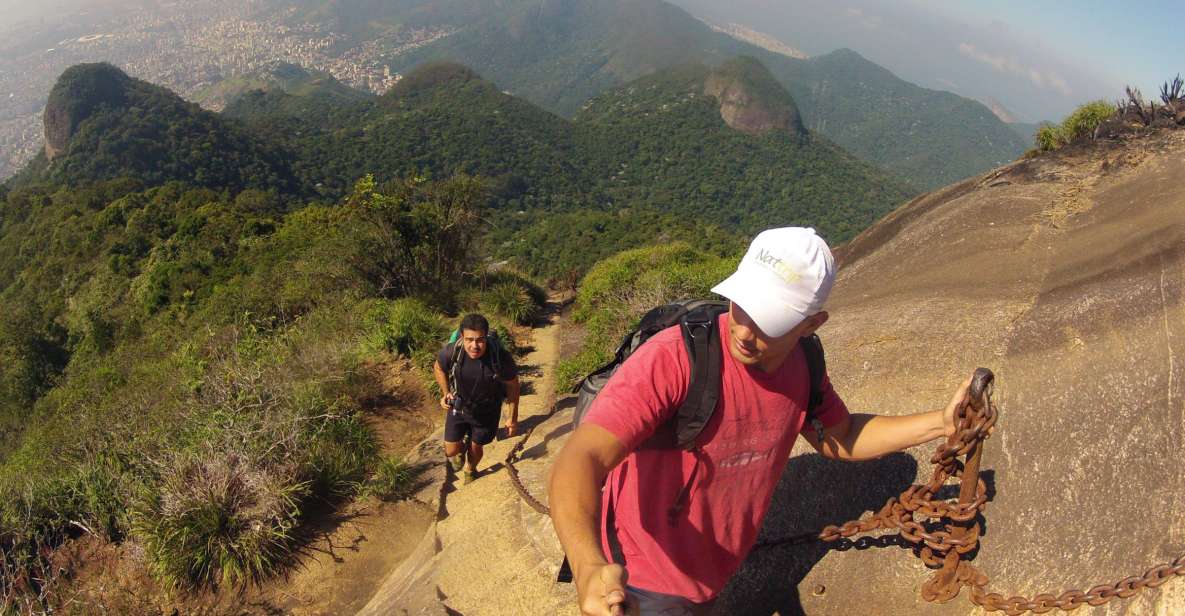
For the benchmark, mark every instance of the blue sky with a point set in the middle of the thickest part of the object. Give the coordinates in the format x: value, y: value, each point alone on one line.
x: 1140, y: 44
x: 1038, y: 59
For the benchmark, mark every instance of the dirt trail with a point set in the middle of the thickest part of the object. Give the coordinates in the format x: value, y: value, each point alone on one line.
x: 354, y: 549
x: 479, y: 557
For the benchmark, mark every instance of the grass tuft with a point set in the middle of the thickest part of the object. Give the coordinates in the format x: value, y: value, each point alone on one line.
x: 218, y: 520
x: 511, y: 300
x: 406, y: 327
x: 393, y: 480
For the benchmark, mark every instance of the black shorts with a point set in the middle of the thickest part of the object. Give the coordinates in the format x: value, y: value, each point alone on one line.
x: 481, y: 426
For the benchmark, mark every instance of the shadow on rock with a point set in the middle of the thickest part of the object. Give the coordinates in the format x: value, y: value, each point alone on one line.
x: 560, y: 429
x: 812, y: 493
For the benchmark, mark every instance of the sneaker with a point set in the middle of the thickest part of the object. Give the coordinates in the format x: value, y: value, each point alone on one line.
x: 457, y: 462
x: 469, y: 476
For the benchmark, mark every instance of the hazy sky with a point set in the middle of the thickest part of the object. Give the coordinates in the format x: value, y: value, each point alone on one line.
x: 13, y: 12
x: 1040, y: 59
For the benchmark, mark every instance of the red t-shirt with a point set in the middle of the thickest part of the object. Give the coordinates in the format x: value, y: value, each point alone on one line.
x: 744, y: 449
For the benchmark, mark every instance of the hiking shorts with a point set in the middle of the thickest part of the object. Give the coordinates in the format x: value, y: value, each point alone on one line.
x: 481, y: 426
x: 652, y: 603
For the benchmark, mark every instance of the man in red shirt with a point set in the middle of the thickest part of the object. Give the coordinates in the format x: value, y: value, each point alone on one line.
x: 678, y: 564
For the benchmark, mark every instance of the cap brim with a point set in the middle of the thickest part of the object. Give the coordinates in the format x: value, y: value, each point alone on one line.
x: 773, y: 317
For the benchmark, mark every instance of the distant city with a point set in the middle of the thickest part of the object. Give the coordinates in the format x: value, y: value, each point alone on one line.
x: 187, y: 47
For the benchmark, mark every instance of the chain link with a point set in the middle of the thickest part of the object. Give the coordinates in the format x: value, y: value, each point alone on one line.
x: 512, y: 470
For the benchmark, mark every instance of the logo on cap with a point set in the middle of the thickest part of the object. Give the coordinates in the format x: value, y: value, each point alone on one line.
x: 777, y: 266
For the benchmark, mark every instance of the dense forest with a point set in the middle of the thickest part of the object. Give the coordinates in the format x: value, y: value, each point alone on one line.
x: 657, y: 147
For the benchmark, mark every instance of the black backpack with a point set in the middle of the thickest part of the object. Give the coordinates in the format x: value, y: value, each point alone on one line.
x: 697, y: 321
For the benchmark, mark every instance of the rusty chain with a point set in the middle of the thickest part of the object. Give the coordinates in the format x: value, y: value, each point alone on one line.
x: 512, y: 471
x: 916, y: 515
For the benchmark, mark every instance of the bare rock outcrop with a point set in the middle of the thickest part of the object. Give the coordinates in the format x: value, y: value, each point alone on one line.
x: 80, y: 91
x: 1065, y: 274
x: 751, y: 100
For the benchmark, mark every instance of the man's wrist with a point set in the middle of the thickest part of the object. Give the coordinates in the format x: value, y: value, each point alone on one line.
x: 938, y: 430
x: 582, y: 572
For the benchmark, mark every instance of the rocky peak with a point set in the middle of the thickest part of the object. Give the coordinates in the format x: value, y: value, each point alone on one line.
x: 751, y: 100
x: 82, y: 89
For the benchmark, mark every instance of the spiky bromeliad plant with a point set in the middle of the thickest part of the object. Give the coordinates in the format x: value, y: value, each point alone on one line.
x: 218, y: 520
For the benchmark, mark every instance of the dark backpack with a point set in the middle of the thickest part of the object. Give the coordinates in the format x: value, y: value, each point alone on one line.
x: 697, y: 321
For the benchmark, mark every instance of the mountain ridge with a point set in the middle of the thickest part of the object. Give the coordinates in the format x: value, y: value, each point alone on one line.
x: 101, y: 124
x: 561, y: 53
x: 696, y: 151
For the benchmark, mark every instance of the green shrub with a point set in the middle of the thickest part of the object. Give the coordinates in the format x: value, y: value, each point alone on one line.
x: 504, y: 293
x: 97, y: 488
x: 1048, y: 137
x: 511, y: 300
x: 618, y: 291
x: 217, y: 520
x: 1085, y: 119
x: 393, y: 480
x: 571, y: 371
x: 537, y: 294
x: 1077, y: 126
x: 405, y: 327
x: 337, y: 455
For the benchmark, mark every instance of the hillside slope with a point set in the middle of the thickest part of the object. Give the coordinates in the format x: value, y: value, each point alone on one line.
x: 690, y: 153
x: 441, y: 119
x: 726, y: 145
x: 931, y: 137
x: 281, y: 76
x: 101, y: 124
x: 1064, y: 274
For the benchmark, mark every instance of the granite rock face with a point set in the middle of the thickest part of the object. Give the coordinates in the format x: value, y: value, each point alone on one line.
x: 1064, y: 274
x: 751, y: 100
x: 80, y: 90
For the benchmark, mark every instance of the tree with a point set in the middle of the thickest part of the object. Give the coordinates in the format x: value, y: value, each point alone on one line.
x: 416, y: 237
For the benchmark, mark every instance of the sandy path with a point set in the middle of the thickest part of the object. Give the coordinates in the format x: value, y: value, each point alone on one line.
x: 479, y: 558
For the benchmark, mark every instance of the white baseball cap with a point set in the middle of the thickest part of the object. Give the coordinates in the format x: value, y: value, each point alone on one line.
x: 784, y: 278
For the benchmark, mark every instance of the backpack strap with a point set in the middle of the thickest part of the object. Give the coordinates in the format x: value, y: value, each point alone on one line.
x: 705, y: 355
x: 494, y: 348
x: 458, y: 351
x: 816, y: 364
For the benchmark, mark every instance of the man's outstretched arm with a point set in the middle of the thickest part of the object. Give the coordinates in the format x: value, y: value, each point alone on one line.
x: 513, y: 388
x: 575, y: 499
x: 442, y: 383
x: 864, y: 437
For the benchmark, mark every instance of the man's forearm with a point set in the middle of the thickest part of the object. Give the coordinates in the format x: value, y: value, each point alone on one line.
x: 575, y: 500
x: 441, y: 378
x: 873, y: 436
x: 513, y: 389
